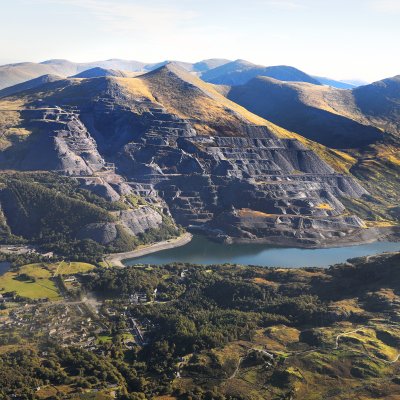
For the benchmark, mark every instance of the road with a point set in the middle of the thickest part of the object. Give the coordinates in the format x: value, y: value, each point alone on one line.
x: 117, y: 258
x: 365, y: 353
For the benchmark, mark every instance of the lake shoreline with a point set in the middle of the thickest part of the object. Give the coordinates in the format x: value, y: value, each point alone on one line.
x: 364, y: 236
x: 203, y: 251
x: 117, y: 259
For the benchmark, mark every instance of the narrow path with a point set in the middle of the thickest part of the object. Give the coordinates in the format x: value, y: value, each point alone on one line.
x: 365, y: 353
x: 237, y: 369
x: 346, y: 334
x: 336, y: 347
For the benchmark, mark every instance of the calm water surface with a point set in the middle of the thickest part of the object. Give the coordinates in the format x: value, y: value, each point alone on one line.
x: 204, y: 251
x: 4, y: 267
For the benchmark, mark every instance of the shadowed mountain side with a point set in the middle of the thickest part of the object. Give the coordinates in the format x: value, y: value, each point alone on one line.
x: 32, y: 84
x: 362, y: 121
x: 380, y: 101
x: 310, y: 110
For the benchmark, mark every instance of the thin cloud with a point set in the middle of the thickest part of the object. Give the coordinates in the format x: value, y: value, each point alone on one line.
x: 120, y: 16
x: 160, y: 30
x: 385, y: 5
x: 285, y: 5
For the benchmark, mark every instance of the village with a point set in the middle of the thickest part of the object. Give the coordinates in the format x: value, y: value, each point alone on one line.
x: 81, y: 321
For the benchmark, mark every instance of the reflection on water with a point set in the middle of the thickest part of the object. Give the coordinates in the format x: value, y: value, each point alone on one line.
x: 203, y: 251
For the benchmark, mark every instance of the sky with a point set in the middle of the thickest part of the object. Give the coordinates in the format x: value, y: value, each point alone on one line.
x: 341, y: 39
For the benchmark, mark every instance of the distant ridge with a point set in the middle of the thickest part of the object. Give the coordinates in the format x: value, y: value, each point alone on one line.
x: 98, y: 72
x: 214, y: 70
x: 12, y: 74
x: 240, y: 72
x: 31, y: 84
x: 334, y: 83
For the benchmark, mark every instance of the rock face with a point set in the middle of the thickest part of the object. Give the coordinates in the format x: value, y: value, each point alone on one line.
x: 63, y: 144
x: 203, y: 178
x: 249, y: 184
x: 140, y: 220
x: 133, y: 222
x: 103, y: 233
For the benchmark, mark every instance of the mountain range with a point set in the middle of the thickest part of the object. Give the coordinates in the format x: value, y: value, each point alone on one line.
x: 242, y: 157
x: 220, y: 71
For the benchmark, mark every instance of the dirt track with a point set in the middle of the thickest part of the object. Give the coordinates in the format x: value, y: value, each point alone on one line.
x: 117, y: 258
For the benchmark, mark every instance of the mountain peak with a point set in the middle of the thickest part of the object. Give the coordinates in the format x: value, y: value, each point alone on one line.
x: 98, y: 72
x: 57, y: 61
x: 239, y: 72
x: 173, y: 68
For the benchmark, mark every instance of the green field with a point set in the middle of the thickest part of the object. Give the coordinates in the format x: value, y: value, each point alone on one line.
x: 40, y: 286
x: 104, y: 339
x: 70, y: 268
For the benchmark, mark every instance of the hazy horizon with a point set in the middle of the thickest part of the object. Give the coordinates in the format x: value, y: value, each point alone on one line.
x: 344, y: 40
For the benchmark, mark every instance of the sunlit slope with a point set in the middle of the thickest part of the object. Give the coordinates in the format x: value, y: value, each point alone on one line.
x: 327, y: 115
x: 209, y: 104
x: 163, y: 126
x: 363, y: 123
x: 178, y: 91
x: 12, y: 74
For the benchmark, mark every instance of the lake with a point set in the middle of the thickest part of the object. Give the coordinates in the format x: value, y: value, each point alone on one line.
x: 4, y: 267
x: 204, y: 251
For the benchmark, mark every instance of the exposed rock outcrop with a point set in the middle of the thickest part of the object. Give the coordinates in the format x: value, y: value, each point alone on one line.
x: 133, y: 222
x: 140, y: 220
x: 217, y: 171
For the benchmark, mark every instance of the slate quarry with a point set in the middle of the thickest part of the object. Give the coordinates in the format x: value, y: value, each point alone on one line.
x: 248, y: 186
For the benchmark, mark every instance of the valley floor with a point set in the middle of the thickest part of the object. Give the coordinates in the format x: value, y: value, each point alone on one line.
x: 220, y: 332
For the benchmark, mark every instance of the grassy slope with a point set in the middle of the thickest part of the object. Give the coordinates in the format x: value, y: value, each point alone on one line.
x: 362, y: 361
x: 71, y: 268
x: 377, y: 166
x: 42, y: 287
x: 327, y: 115
x: 213, y: 109
x: 178, y: 91
x: 208, y: 109
x: 360, y: 365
